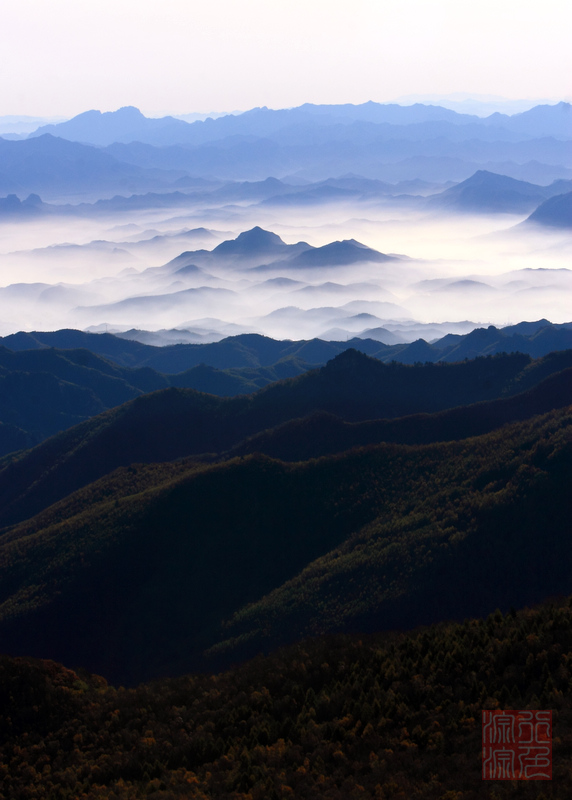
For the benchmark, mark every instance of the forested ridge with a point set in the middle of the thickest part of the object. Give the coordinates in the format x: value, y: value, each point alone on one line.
x: 384, y: 716
x: 187, y: 533
x: 175, y: 423
x: 78, y: 375
x: 155, y: 568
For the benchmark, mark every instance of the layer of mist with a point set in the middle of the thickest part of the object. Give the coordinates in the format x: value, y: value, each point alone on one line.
x: 127, y: 270
x: 405, y: 252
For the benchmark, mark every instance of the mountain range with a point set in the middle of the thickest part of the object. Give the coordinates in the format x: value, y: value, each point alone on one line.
x: 125, y: 151
x: 128, y: 124
x: 483, y: 192
x: 488, y: 192
x: 58, y: 168
x: 78, y: 375
x: 172, y: 562
x: 187, y: 493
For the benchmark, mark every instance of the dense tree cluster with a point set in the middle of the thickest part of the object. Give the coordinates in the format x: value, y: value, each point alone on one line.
x: 387, y: 716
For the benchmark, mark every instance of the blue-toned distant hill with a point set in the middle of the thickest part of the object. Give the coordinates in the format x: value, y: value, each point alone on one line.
x: 12, y: 207
x: 127, y: 124
x: 556, y: 212
x: 257, y: 243
x: 324, y: 141
x: 349, y: 251
x: 483, y: 192
x: 362, y: 149
x: 488, y: 192
x: 262, y: 250
x: 543, y: 120
x: 53, y: 166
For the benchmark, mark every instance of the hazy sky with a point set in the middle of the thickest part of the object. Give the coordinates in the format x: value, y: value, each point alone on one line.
x: 65, y: 56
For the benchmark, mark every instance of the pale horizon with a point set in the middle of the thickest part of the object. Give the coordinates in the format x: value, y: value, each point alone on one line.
x: 65, y: 58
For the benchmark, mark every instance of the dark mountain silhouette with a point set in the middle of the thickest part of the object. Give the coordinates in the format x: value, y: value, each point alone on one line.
x: 139, y: 574
x: 122, y: 351
x: 481, y: 341
x: 252, y: 350
x: 13, y: 438
x: 46, y: 391
x: 322, y: 434
x: 392, y: 587
x: 244, y: 350
x: 175, y: 423
x: 74, y: 385
x: 556, y: 212
x: 419, y: 352
x: 526, y: 328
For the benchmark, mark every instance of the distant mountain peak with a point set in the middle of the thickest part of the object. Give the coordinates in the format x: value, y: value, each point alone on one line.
x: 251, y: 242
x: 487, y: 191
x: 348, y: 251
x: 132, y: 110
x: 127, y: 124
x: 350, y: 359
x: 258, y: 235
x: 485, y: 176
